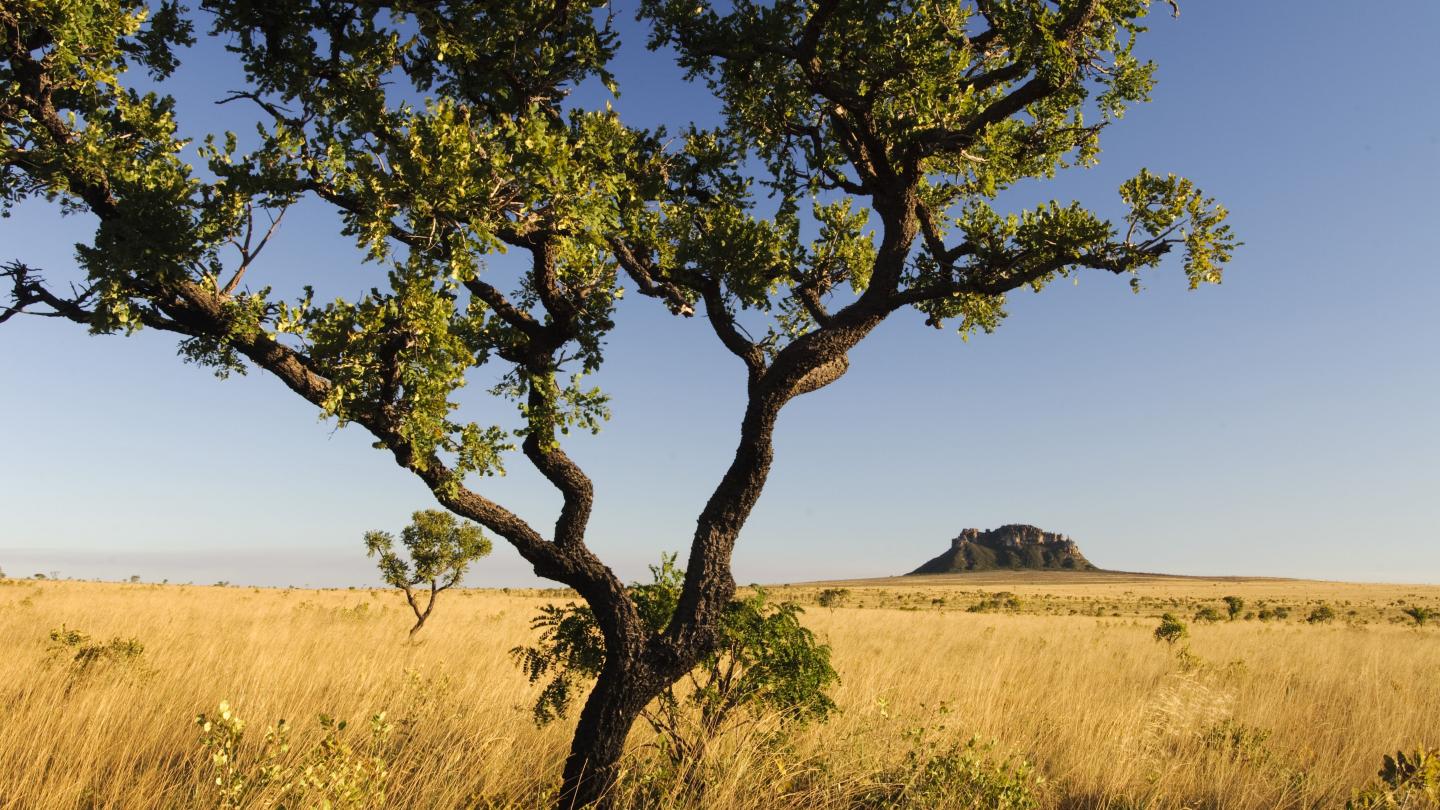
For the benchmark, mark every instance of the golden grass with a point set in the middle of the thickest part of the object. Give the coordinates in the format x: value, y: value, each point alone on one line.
x: 1277, y: 714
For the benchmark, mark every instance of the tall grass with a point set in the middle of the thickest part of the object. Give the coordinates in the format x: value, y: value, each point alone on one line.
x: 1261, y: 715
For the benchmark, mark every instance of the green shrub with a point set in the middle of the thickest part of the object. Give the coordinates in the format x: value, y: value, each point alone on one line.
x: 1233, y: 606
x: 1171, y: 629
x: 960, y: 776
x: 1002, y: 602
x: 85, y: 653
x: 333, y: 774
x: 1323, y: 614
x: 766, y: 662
x: 1238, y: 740
x: 832, y: 597
x: 1406, y: 782
x: 1207, y: 614
x: 1420, y: 615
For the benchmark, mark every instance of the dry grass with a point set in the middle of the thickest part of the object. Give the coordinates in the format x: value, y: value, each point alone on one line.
x: 1275, y: 714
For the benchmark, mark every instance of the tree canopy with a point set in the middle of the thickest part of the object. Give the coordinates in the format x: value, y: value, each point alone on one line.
x: 857, y: 171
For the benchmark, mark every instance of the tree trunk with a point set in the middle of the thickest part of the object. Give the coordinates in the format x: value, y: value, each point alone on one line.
x: 592, y: 769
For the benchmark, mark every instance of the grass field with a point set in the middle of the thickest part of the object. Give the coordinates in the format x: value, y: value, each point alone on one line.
x: 1060, y: 671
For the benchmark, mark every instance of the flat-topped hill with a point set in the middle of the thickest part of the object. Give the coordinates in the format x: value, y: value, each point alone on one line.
x: 1012, y: 547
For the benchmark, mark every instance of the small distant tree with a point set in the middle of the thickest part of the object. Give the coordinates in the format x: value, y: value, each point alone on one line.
x: 441, y: 548
x: 1171, y: 629
x: 1420, y: 615
x: 1323, y: 614
x: 134, y: 579
x: 1234, y: 605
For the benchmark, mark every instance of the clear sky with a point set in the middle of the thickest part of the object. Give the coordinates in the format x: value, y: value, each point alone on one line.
x: 1286, y: 423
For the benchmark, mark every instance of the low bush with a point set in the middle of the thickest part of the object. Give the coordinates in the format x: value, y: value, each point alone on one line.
x: 1171, y: 630
x: 85, y: 653
x: 1002, y: 602
x: 1420, y: 615
x: 1208, y: 615
x: 335, y: 773
x: 1406, y: 782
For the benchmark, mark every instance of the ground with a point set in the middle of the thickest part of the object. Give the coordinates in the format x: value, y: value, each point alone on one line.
x: 1057, y: 669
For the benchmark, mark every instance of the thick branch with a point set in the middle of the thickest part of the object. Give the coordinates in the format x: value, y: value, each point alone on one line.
x: 722, y: 320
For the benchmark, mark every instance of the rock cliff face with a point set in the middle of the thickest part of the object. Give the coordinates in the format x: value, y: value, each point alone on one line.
x: 1016, y: 546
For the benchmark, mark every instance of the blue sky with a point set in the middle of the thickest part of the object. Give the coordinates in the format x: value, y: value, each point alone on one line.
x: 1286, y: 423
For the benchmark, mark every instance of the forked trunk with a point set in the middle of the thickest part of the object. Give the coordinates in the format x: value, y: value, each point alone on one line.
x: 592, y: 770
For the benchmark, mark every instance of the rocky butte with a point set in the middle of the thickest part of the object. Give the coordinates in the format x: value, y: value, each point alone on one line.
x: 1016, y: 546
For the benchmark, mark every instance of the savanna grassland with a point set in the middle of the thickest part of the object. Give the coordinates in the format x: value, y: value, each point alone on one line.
x: 1050, y: 684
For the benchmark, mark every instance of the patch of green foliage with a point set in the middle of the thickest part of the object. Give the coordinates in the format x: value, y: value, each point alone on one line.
x: 1207, y: 613
x: 766, y: 663
x: 1171, y: 629
x: 1238, y: 740
x: 1324, y: 614
x: 1233, y: 606
x: 85, y: 653
x: 335, y: 773
x: 1002, y: 602
x: 1420, y: 615
x: 1406, y: 782
x: 954, y: 775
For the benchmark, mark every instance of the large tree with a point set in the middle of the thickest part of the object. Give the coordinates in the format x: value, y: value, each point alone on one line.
x: 855, y: 174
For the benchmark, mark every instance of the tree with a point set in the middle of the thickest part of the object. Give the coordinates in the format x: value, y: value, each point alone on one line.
x: 440, y: 548
x: 882, y: 134
x: 1233, y: 606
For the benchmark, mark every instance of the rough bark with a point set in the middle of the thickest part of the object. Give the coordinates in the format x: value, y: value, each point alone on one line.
x: 592, y: 769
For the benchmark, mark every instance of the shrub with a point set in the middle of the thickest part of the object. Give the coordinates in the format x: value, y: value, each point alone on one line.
x: 766, y: 662
x: 1321, y: 615
x: 333, y: 774
x: 1207, y: 614
x: 1420, y: 615
x: 1233, y: 606
x: 831, y: 597
x: 1171, y: 629
x: 85, y: 653
x: 962, y: 776
x: 1004, y: 601
x: 1238, y: 740
x: 1406, y: 782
